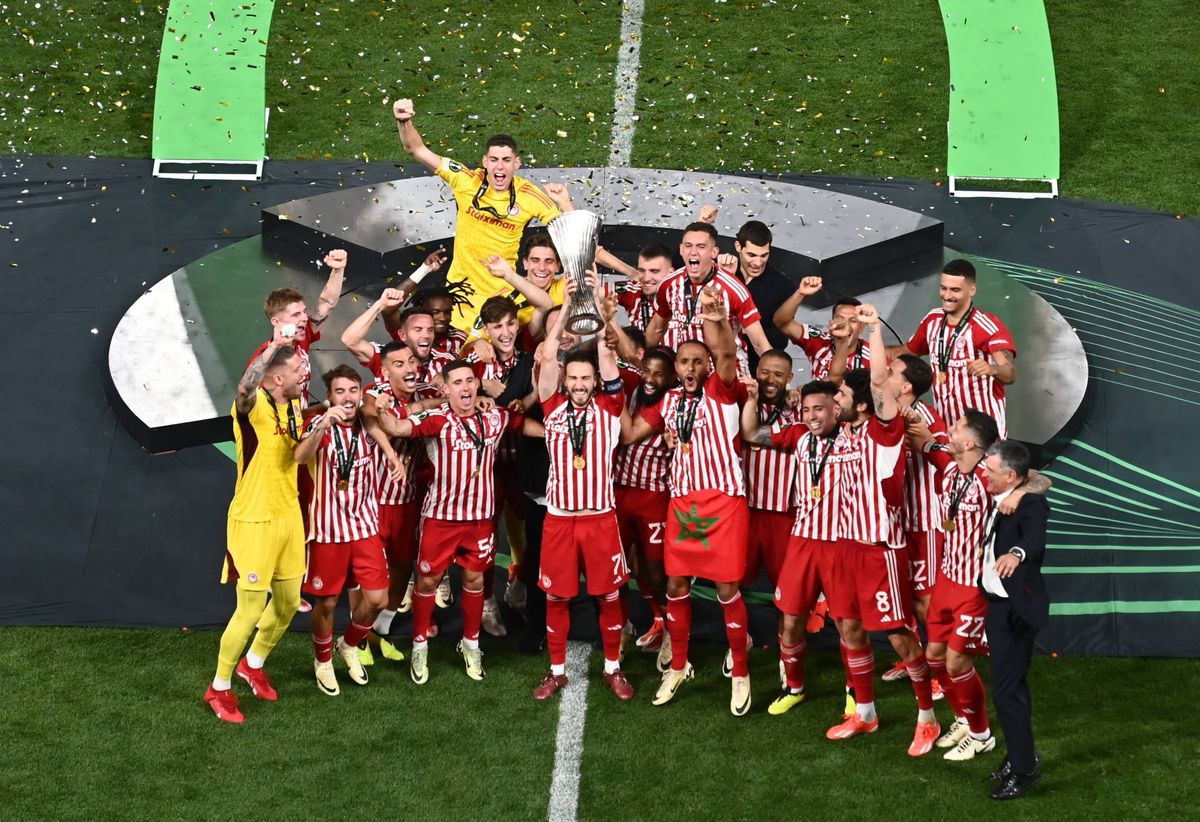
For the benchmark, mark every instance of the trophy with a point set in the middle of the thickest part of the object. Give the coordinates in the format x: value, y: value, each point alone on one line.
x: 575, y: 235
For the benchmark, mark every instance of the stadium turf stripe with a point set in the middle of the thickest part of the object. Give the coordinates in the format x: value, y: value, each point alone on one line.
x: 625, y: 96
x: 568, y: 743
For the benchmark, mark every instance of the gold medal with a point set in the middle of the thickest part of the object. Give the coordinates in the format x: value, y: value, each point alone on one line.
x: 942, y: 377
x: 685, y: 447
x: 948, y: 525
x: 475, y: 473
x: 579, y: 462
x: 755, y: 447
x: 343, y: 485
x: 815, y: 493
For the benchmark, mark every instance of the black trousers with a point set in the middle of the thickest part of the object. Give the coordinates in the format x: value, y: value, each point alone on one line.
x: 531, y: 563
x: 1010, y: 647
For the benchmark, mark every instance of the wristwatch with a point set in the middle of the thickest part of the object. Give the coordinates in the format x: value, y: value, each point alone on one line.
x: 1017, y: 552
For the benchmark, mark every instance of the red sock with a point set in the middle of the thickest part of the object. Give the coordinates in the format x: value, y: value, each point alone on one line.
x: 918, y: 675
x: 323, y: 647
x: 735, y: 631
x: 612, y: 621
x: 652, y: 603
x: 938, y: 668
x: 472, y: 612
x: 793, y: 663
x: 356, y: 633
x: 558, y: 625
x: 973, y: 699
x: 679, y: 628
x: 862, y: 673
x: 845, y: 650
x: 422, y: 611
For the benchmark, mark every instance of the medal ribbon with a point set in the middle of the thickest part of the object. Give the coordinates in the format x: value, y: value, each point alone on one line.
x: 477, y: 439
x: 483, y: 187
x: 944, y: 347
x: 293, y: 429
x: 685, y: 415
x: 693, y: 295
x: 815, y: 468
x: 576, y: 428
x: 345, y: 457
x: 957, y: 493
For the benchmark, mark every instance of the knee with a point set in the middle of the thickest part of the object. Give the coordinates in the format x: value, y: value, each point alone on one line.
x: 788, y: 623
x: 728, y: 590
x: 957, y: 663
x: 678, y: 587
x: 375, y: 600
x: 427, y: 585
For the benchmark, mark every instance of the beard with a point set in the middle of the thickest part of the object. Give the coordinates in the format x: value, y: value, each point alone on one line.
x: 649, y: 400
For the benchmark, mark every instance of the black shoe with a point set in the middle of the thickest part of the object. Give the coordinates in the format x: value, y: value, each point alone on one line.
x: 1016, y: 785
x: 1005, y: 769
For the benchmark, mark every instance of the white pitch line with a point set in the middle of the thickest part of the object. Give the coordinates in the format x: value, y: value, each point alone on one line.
x: 568, y: 744
x: 629, y: 61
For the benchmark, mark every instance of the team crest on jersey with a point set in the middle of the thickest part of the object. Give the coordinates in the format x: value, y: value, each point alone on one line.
x: 252, y: 577
x: 425, y: 567
x: 318, y: 583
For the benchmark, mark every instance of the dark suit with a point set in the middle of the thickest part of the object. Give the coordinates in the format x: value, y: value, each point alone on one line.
x: 1013, y: 623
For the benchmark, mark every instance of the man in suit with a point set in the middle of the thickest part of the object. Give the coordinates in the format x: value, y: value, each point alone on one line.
x: 1018, y: 606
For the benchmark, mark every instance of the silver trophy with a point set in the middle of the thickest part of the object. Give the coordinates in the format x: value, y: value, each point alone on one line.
x: 575, y: 235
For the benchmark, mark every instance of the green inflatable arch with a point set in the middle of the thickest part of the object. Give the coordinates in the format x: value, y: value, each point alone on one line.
x: 1003, y: 117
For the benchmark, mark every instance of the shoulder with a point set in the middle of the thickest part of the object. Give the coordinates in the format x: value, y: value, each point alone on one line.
x: 553, y: 403
x: 531, y: 194
x: 732, y: 285
x: 931, y: 317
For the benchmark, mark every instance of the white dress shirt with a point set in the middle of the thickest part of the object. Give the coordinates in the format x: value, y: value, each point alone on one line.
x: 988, y: 578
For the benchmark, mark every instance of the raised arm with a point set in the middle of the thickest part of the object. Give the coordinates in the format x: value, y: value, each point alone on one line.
x: 355, y: 335
x: 306, y: 449
x: 252, y: 377
x: 886, y: 405
x: 548, y: 374
x: 609, y: 260
x: 332, y: 292
x: 718, y: 334
x: 785, y: 315
x: 403, y: 111
x: 499, y: 267
x: 753, y: 431
x: 842, y: 343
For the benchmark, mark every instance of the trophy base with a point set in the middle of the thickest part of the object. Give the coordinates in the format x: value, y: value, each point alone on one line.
x: 584, y: 325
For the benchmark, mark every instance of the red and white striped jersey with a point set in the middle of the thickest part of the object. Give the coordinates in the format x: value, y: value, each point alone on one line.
x: 451, y: 345
x: 678, y: 302
x: 982, y: 337
x: 645, y: 464
x: 498, y: 370
x: 334, y: 514
x: 709, y: 461
x: 818, y: 347
x: 311, y: 336
x: 771, y: 472
x: 410, y: 453
x: 922, y: 510
x: 818, y: 517
x: 463, y: 485
x: 586, y: 485
x: 427, y: 371
x: 874, y: 490
x: 962, y: 561
x: 638, y: 305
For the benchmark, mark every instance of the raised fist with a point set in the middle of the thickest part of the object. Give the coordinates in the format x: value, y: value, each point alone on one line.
x: 391, y: 297
x: 728, y: 262
x: 712, y: 306
x: 708, y: 214
x: 336, y: 258
x: 867, y: 315
x: 810, y: 285
x: 402, y: 110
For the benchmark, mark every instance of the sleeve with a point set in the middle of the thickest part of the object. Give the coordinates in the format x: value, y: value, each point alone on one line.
x: 550, y: 403
x: 511, y: 421
x: 919, y: 342
x: 653, y: 415
x: 1033, y: 512
x: 1001, y: 340
x: 813, y: 342
x: 537, y: 201
x: 661, y: 306
x: 789, y: 436
x: 428, y: 426
x: 375, y: 364
x: 630, y: 381
x: 887, y: 433
x: 939, y: 459
x: 747, y: 311
x: 611, y: 404
x: 312, y: 334
x: 734, y: 392
x: 462, y: 180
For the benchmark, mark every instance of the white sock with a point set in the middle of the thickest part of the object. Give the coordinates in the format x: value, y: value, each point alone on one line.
x: 255, y: 661
x: 981, y: 737
x: 866, y: 711
x: 471, y: 644
x: 926, y: 715
x: 420, y: 646
x: 558, y: 670
x: 383, y: 622
x: 611, y: 666
x: 221, y: 684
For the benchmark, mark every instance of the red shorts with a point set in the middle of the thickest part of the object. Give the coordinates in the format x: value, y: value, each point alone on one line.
x: 641, y: 518
x: 587, y: 543
x: 805, y: 574
x: 767, y: 546
x: 956, y: 616
x: 706, y: 536
x: 335, y: 566
x: 924, y: 560
x: 471, y: 544
x: 878, y: 591
x: 398, y: 528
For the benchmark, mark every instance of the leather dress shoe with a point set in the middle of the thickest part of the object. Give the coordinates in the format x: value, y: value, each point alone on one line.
x: 1016, y: 785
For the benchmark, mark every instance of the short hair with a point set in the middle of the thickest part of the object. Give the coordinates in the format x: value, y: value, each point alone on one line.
x: 755, y: 232
x: 281, y: 357
x: 706, y: 228
x: 776, y: 352
x: 1013, y: 455
x: 391, y: 348
x: 700, y: 343
x: 818, y: 387
x: 340, y: 371
x: 501, y: 141
x: 537, y: 239
x: 495, y: 309
x: 656, y: 250
x: 960, y: 268
x: 858, y: 380
x: 661, y: 353
x: 917, y: 373
x: 280, y: 299
x: 454, y: 365
x: 413, y: 311
x: 579, y: 355
x: 635, y: 336
x: 982, y: 427
x: 853, y: 302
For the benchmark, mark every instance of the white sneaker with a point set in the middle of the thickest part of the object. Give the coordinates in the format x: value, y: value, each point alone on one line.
x: 782, y: 676
x: 445, y: 594
x: 473, y: 659
x: 354, y: 666
x: 727, y: 664
x: 492, y: 623
x: 671, y: 681
x: 970, y: 747
x: 326, y: 678
x: 739, y: 700
x: 418, y: 665
x: 406, y: 602
x: 957, y: 731
x: 664, y: 654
